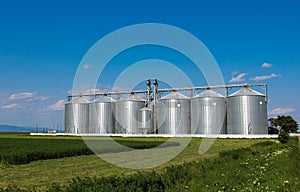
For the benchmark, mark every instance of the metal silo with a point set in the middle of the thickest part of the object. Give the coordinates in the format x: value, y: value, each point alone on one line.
x: 77, y: 115
x: 173, y: 114
x: 247, y: 112
x: 127, y: 114
x: 145, y: 121
x: 101, y: 115
x: 208, y: 113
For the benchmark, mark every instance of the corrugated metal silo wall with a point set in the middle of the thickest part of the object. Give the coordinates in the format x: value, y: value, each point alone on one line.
x: 173, y: 117
x: 208, y: 115
x: 247, y: 115
x: 145, y: 120
x: 101, y: 118
x: 69, y: 120
x: 127, y: 116
x: 77, y: 118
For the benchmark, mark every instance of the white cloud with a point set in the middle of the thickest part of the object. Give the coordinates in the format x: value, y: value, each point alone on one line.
x: 235, y: 73
x: 265, y: 77
x: 238, y: 78
x: 11, y: 106
x: 266, y: 65
x: 39, y: 98
x: 43, y: 98
x: 281, y: 111
x: 59, y: 105
x: 86, y: 66
x: 26, y: 95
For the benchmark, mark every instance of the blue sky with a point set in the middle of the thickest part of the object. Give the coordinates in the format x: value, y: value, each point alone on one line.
x: 42, y: 44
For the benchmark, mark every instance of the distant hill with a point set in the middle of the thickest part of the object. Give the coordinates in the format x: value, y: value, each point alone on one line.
x: 11, y: 128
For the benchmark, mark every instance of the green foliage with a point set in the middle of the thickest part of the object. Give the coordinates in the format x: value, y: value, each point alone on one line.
x: 12, y: 189
x: 287, y: 123
x: 283, y: 136
x: 146, y: 144
x: 235, y: 154
x: 253, y: 168
x: 24, y: 150
x: 264, y: 166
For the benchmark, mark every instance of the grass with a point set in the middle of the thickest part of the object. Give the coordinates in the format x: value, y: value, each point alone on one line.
x: 39, y: 175
x: 265, y: 166
x: 261, y: 167
x: 22, y: 149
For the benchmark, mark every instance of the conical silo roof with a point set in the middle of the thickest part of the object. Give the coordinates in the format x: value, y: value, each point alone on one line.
x: 174, y: 95
x: 246, y: 92
x: 209, y: 93
x: 132, y: 97
x: 104, y: 99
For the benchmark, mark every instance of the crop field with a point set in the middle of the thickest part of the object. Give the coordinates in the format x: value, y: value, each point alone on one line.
x: 22, y: 150
x: 42, y: 163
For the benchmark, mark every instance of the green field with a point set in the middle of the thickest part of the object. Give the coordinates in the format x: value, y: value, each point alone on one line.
x: 68, y: 165
x: 18, y: 150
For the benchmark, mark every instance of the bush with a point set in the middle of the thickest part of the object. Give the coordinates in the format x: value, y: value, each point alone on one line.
x: 283, y: 136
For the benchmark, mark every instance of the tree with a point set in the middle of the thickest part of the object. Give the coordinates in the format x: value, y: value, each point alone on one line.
x: 287, y: 124
x: 283, y: 136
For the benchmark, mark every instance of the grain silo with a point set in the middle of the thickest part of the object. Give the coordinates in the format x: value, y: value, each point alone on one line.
x: 77, y: 115
x: 145, y: 121
x: 101, y: 115
x: 126, y: 114
x: 247, y: 112
x: 173, y: 114
x: 208, y: 113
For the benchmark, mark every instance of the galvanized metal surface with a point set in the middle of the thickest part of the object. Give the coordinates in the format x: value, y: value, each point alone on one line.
x: 247, y: 113
x: 77, y: 116
x: 126, y: 114
x: 145, y: 121
x: 208, y: 113
x: 246, y: 92
x: 173, y: 114
x: 101, y: 115
x: 171, y: 89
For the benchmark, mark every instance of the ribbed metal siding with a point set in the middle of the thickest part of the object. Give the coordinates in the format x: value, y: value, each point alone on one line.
x: 247, y: 115
x: 208, y: 115
x: 145, y: 121
x: 101, y: 117
x: 173, y: 116
x: 69, y: 122
x: 76, y: 117
x: 127, y: 116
